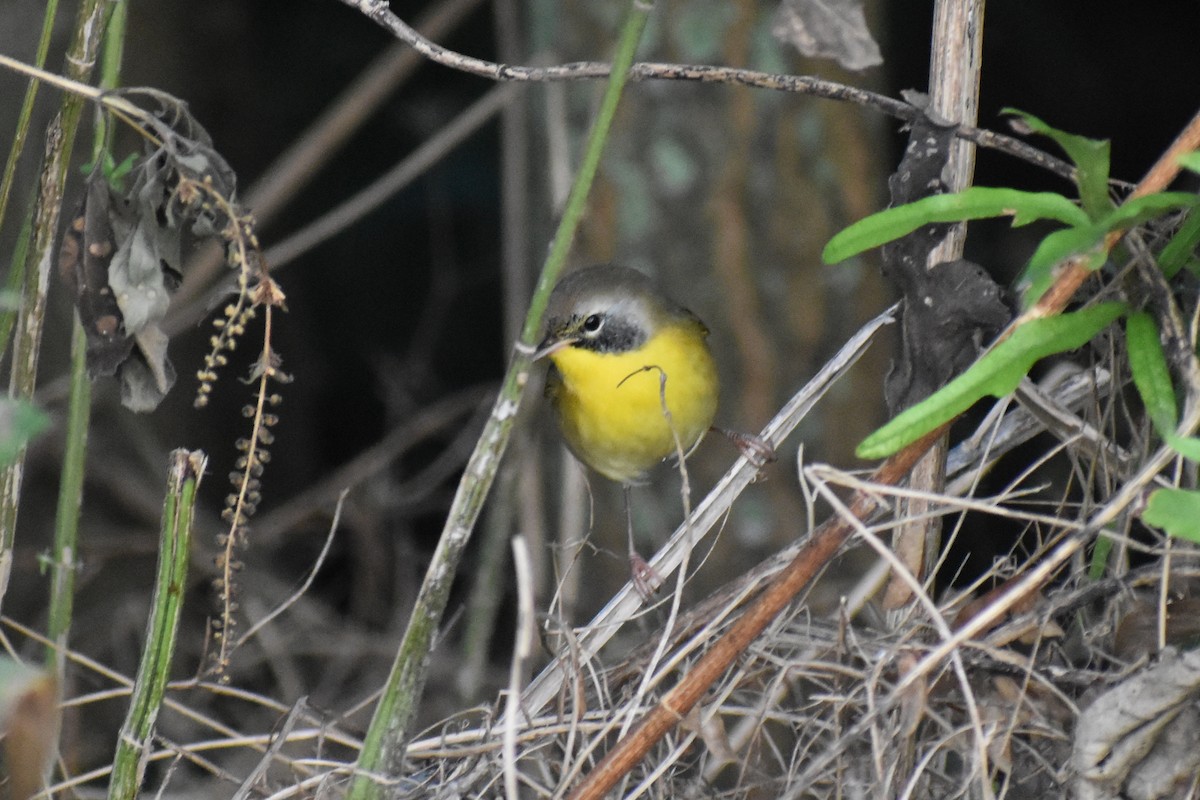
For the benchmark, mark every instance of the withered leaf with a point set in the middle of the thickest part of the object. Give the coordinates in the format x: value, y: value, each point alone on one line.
x: 147, y: 375
x: 87, y: 249
x: 122, y: 256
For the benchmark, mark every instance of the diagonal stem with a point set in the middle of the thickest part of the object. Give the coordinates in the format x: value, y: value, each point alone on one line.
x: 383, y: 746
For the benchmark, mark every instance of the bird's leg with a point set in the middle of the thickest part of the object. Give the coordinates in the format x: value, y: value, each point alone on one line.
x: 645, y: 578
x: 757, y: 450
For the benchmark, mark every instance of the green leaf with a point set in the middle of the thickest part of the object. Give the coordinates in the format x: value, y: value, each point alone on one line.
x: 116, y: 172
x: 1139, y: 209
x: 1100, y: 553
x: 1176, y: 511
x: 1091, y: 157
x: 996, y: 373
x: 20, y: 421
x: 977, y: 202
x: 1061, y: 244
x: 1186, y: 446
x: 1056, y: 247
x: 1181, y: 250
x: 1150, y: 373
x: 1191, y: 160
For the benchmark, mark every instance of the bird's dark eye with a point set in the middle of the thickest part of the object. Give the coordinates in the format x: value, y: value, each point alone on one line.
x: 592, y: 323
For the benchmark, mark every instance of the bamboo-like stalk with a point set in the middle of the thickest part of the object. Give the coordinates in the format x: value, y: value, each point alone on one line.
x: 129, y: 762
x: 955, y: 65
x: 60, y: 139
x: 383, y: 746
x: 25, y: 116
x: 70, y: 487
x: 16, y: 273
x: 15, y: 278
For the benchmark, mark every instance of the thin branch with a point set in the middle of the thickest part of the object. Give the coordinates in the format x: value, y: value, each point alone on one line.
x: 378, y: 12
x: 308, y: 580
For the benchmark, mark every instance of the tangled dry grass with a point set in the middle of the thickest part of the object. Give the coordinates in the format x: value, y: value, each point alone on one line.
x: 1064, y: 688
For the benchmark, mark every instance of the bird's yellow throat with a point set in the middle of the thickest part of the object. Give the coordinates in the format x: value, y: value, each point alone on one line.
x: 610, y: 405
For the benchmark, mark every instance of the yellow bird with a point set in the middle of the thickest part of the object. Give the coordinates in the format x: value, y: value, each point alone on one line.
x: 633, y: 381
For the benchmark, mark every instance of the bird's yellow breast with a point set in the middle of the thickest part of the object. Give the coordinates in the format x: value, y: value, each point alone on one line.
x: 611, y: 405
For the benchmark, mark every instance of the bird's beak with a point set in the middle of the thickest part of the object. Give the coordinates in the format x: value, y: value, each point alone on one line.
x: 551, y: 346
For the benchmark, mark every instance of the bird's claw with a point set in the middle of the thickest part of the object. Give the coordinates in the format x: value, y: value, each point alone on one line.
x: 757, y: 450
x: 645, y: 578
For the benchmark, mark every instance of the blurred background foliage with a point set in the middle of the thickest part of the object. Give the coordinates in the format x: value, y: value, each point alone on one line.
x: 725, y: 194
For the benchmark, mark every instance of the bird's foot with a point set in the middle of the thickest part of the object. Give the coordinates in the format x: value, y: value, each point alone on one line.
x: 645, y: 578
x: 757, y: 450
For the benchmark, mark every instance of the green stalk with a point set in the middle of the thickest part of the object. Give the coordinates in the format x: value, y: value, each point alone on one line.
x: 26, y: 114
x: 1100, y: 555
x: 487, y: 585
x: 60, y: 139
x: 70, y: 497
x: 114, y: 52
x: 15, y: 279
x: 70, y: 487
x: 383, y: 746
x: 183, y: 478
x: 17, y: 271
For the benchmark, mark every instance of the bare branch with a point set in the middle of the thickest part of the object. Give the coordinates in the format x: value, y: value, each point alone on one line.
x: 379, y: 13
